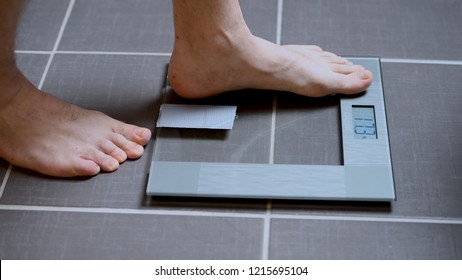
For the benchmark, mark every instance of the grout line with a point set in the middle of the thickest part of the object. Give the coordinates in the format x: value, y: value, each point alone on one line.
x: 273, y: 129
x: 279, y: 22
x: 265, y: 215
x: 273, y: 114
x: 45, y: 72
x: 32, y: 52
x: 127, y: 211
x: 58, y: 40
x: 278, y: 41
x: 95, y: 53
x: 116, y: 53
x: 266, y: 232
x: 451, y: 221
x: 421, y: 61
x: 63, y: 25
x: 5, y: 179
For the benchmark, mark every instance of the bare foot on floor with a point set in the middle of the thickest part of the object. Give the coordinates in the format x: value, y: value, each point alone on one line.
x: 236, y: 60
x: 42, y: 133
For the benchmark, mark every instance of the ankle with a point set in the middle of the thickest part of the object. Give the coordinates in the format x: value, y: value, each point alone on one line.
x: 11, y: 83
x: 215, y: 39
x: 196, y: 56
x: 209, y: 22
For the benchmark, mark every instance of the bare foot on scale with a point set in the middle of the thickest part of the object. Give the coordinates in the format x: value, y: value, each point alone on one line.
x: 245, y: 61
x: 214, y: 52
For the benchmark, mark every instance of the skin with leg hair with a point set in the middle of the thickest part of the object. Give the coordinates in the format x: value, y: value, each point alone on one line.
x: 40, y: 132
x: 215, y: 51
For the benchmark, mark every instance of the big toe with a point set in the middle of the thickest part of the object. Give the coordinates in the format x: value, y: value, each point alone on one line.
x: 84, y: 167
x: 70, y: 167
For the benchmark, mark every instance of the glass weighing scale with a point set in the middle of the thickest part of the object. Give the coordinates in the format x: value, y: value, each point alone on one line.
x: 211, y: 162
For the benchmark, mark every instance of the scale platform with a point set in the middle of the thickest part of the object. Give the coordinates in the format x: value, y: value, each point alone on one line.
x: 190, y: 162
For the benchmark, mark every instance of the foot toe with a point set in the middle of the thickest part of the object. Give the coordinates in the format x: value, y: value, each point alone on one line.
x: 354, y: 82
x: 109, y: 164
x: 105, y: 162
x: 132, y: 149
x: 346, y: 68
x: 69, y: 167
x: 135, y: 134
x: 84, y: 167
x: 111, y: 149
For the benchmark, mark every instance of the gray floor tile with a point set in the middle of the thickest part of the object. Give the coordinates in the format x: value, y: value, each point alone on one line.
x: 127, y: 88
x: 315, y: 239
x: 40, y: 23
x: 423, y: 109
x: 60, y: 235
x: 143, y: 25
x: 32, y: 66
x: 261, y: 17
x: 399, y: 29
x: 117, y: 25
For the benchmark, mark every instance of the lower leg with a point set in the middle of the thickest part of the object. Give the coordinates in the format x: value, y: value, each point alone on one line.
x: 40, y: 132
x: 9, y: 14
x: 215, y: 52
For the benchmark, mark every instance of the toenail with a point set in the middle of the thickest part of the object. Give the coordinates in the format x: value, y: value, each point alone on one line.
x: 139, y: 150
x: 112, y: 164
x: 135, y: 151
x: 143, y: 133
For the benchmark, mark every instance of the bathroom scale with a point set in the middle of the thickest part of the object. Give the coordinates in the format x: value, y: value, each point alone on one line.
x: 208, y: 148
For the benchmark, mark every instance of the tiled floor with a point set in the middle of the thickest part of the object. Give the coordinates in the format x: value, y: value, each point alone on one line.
x: 110, y: 55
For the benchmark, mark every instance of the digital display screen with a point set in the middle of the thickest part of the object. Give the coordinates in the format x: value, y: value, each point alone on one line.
x: 364, y: 122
